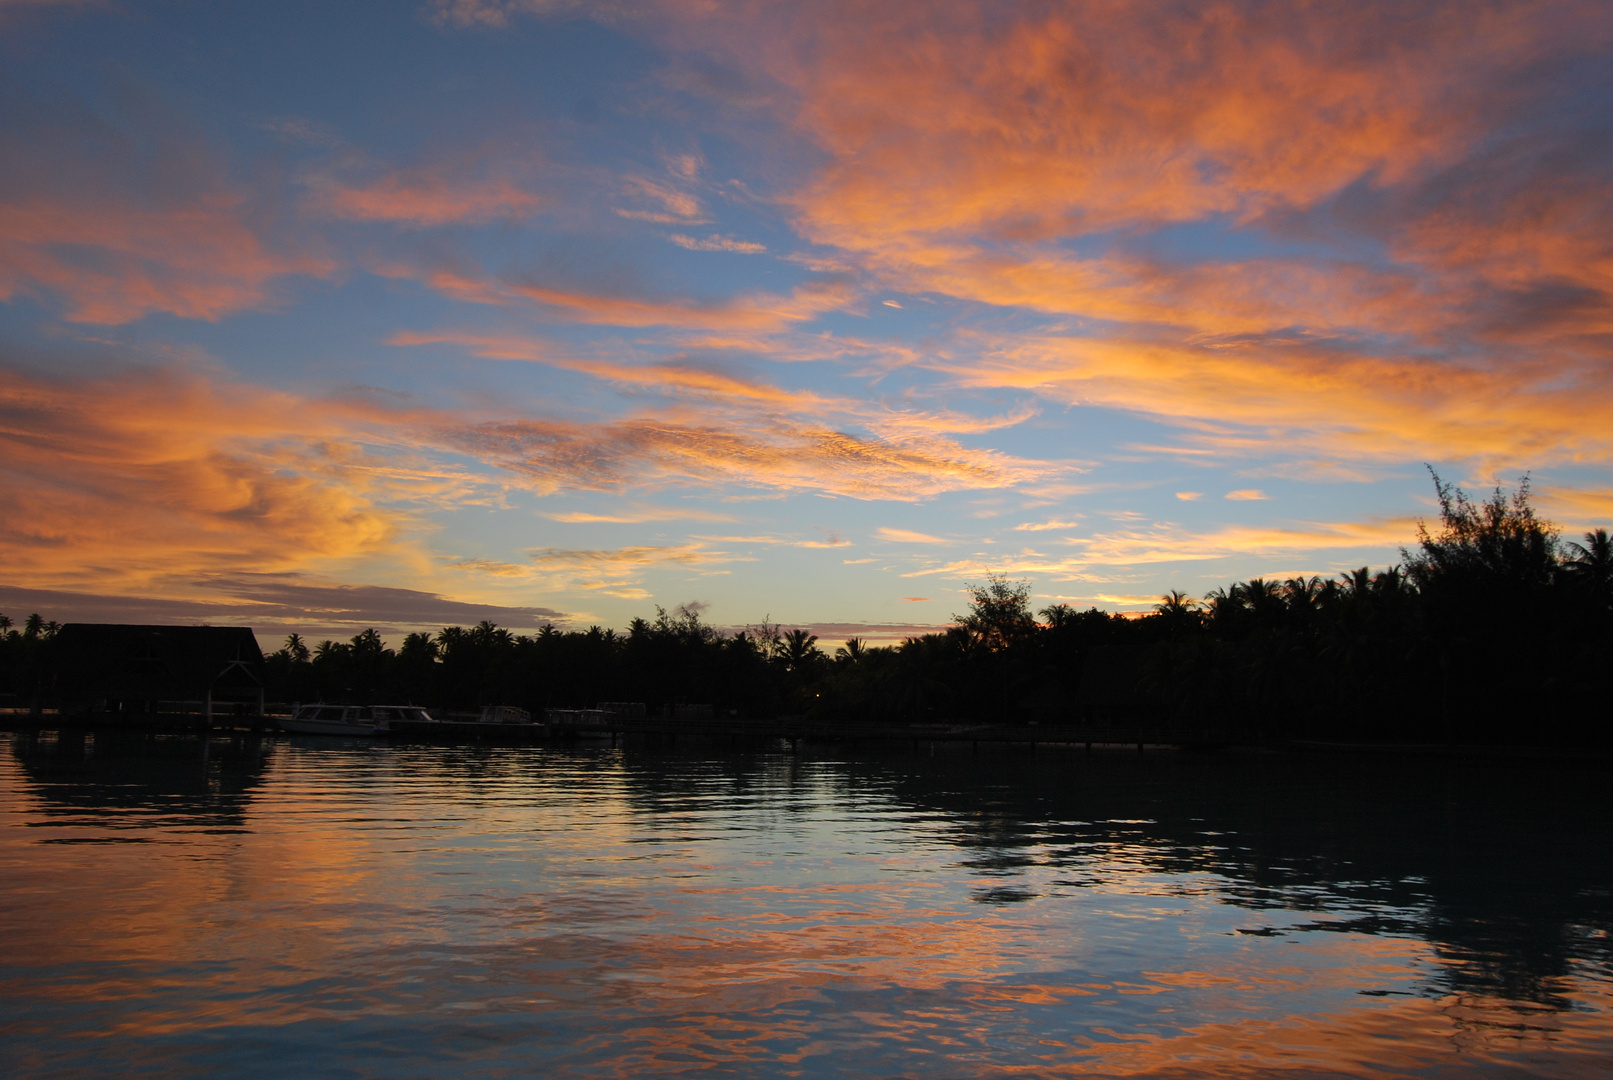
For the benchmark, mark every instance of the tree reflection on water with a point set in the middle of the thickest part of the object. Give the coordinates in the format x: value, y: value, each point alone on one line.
x: 1506, y: 870
x: 142, y: 778
x: 611, y: 909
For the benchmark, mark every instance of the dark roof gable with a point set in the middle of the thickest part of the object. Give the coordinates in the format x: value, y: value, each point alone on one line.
x: 119, y: 660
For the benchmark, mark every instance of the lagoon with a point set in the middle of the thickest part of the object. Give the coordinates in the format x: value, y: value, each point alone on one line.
x: 183, y: 906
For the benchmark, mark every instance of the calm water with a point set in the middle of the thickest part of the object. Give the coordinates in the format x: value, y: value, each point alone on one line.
x: 180, y: 907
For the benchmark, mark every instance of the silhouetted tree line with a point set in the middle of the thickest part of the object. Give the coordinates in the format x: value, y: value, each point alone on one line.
x: 1491, y: 629
x: 23, y: 654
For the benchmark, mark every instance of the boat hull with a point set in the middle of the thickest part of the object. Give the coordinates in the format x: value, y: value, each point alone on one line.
x: 474, y: 731
x: 299, y: 726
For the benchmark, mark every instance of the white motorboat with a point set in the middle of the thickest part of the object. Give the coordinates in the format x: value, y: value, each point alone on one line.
x: 320, y: 719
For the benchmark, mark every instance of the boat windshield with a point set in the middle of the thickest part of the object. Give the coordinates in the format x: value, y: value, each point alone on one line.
x: 400, y: 712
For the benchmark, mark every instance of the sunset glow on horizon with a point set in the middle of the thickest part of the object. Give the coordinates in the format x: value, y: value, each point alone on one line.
x: 318, y: 318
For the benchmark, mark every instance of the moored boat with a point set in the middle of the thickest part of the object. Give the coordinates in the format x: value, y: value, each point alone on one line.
x: 503, y: 714
x: 321, y: 719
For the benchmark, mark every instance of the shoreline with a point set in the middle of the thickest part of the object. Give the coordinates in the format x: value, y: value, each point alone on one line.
x: 797, y: 731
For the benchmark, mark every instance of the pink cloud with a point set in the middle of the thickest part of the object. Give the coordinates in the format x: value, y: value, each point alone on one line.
x: 423, y: 199
x: 118, y: 222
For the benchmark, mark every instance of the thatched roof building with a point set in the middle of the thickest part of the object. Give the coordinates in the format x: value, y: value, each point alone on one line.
x: 117, y: 667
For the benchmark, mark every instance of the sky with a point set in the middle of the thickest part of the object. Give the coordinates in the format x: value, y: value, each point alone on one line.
x: 316, y: 317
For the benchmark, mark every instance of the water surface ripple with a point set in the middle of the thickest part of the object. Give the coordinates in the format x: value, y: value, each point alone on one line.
x: 183, y: 907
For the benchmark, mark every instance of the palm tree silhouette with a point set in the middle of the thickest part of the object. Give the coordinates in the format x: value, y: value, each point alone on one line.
x: 797, y: 649
x: 1177, y: 609
x: 1590, y: 564
x: 852, y: 651
x: 1263, y: 598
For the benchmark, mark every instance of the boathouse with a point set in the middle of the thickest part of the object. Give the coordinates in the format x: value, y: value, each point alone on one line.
x: 113, y: 667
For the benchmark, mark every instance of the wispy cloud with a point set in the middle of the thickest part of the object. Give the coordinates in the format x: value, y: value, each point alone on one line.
x: 637, y: 516
x: 1102, y: 555
x: 750, y: 433
x: 674, y: 206
x: 116, y: 218
x: 718, y: 243
x: 421, y: 198
x: 1310, y: 401
x: 1045, y: 526
x: 655, y: 452
x: 908, y: 536
x: 270, y: 604
x: 619, y: 569
x: 755, y: 311
x: 778, y: 541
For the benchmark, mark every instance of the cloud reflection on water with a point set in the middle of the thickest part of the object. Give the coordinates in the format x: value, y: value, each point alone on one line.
x: 599, y: 912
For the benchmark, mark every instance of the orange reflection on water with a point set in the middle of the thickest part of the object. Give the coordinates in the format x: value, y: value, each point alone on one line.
x: 566, y: 913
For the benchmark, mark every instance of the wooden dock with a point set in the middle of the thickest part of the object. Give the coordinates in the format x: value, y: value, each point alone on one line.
x: 614, y: 729
x: 798, y: 730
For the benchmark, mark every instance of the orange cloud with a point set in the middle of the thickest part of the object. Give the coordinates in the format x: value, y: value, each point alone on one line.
x: 1577, y: 509
x: 748, y: 432
x: 638, y: 516
x: 832, y: 542
x: 148, y: 480
x: 117, y: 222
x: 1051, y: 122
x: 1101, y: 556
x: 1100, y: 115
x: 1442, y: 235
x: 634, y: 557
x: 756, y: 311
x: 128, y: 481
x: 907, y: 536
x: 774, y: 455
x: 1324, y: 402
x: 745, y: 398
x: 423, y: 199
x: 619, y: 571
x: 114, y: 263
